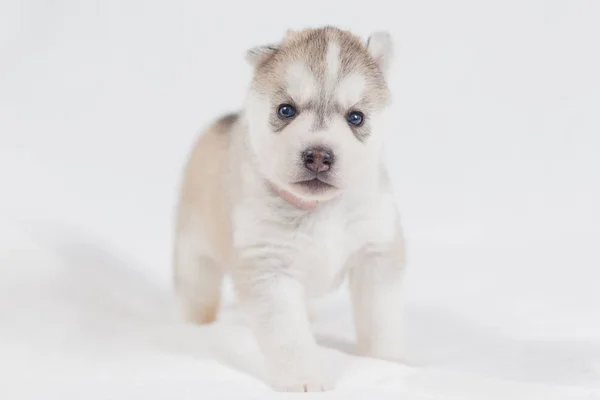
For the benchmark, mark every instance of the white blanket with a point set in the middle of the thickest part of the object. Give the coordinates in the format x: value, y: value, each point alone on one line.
x: 77, y: 321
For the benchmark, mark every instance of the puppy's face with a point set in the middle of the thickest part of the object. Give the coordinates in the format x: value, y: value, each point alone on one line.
x: 316, y: 110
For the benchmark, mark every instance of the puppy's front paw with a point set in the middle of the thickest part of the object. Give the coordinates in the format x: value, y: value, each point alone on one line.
x: 301, y: 378
x: 302, y: 385
x: 294, y: 369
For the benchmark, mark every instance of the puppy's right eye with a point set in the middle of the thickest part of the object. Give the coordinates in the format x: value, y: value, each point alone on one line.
x: 286, y: 111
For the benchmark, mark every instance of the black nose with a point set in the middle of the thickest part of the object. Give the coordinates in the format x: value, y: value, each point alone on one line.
x: 318, y: 159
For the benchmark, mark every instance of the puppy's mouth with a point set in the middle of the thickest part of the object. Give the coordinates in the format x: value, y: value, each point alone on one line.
x: 314, y: 185
x: 308, y: 193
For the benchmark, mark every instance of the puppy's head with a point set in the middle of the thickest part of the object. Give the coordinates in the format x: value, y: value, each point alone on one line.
x: 316, y: 108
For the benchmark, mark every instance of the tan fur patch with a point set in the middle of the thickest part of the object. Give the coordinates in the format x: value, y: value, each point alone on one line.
x: 201, y: 194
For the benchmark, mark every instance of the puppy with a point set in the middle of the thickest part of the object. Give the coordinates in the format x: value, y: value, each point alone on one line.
x: 291, y: 195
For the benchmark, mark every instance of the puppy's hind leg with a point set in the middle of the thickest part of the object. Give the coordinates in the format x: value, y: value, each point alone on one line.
x: 198, y: 280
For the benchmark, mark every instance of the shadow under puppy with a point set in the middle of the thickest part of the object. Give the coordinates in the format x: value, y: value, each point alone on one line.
x: 290, y: 195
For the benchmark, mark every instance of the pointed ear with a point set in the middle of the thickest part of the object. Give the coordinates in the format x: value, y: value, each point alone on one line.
x: 259, y: 54
x: 381, y: 47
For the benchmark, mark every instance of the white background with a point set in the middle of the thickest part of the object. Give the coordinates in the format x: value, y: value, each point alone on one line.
x: 494, y: 154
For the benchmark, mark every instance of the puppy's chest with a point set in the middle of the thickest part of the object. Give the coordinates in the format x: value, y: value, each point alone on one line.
x: 323, y: 249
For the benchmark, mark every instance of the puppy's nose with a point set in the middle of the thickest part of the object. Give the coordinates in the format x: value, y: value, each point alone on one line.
x: 318, y: 160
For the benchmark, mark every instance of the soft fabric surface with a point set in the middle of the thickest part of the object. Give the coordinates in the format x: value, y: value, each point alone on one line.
x: 79, y: 322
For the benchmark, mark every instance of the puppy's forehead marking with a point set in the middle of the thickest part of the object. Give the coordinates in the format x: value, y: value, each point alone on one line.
x: 332, y: 64
x: 300, y: 82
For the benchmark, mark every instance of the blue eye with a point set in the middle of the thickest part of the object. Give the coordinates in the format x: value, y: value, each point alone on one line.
x: 355, y: 118
x: 286, y: 111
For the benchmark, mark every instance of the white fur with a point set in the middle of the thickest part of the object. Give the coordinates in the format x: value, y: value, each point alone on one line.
x: 333, y: 64
x: 301, y: 84
x: 285, y: 265
x: 350, y: 90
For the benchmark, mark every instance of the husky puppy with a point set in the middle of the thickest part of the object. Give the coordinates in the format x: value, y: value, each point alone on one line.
x: 291, y: 195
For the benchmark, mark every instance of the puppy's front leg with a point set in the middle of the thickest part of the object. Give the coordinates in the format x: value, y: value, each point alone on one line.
x: 375, y: 284
x: 275, y: 303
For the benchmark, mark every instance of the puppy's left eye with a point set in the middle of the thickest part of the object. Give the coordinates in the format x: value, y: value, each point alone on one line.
x: 355, y: 118
x: 286, y: 111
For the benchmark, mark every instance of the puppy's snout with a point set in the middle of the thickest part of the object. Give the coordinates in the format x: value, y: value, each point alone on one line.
x: 318, y: 159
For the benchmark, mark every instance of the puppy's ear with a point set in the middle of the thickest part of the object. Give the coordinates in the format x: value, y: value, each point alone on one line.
x: 290, y: 34
x: 259, y: 54
x: 381, y: 47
